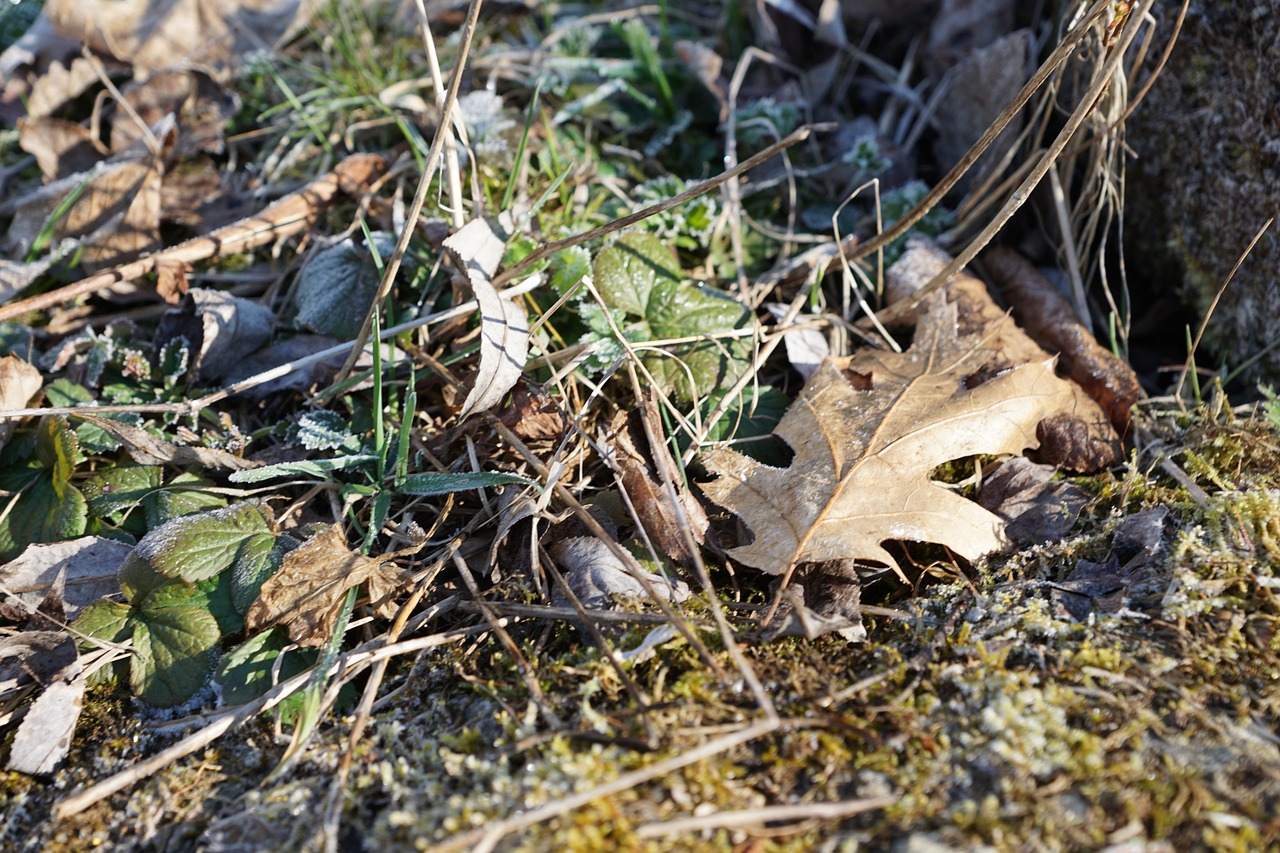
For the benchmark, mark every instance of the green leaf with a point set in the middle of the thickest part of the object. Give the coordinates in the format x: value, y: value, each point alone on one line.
x: 323, y: 430
x: 115, y: 490
x: 174, y: 639
x: 195, y: 547
x: 259, y: 559
x: 337, y: 285
x: 56, y: 447
x: 753, y: 414
x: 317, y: 468
x: 45, y: 510
x: 246, y: 671
x: 105, y: 620
x: 215, y: 596
x: 138, y: 578
x: 639, y: 276
x: 110, y: 622
x: 183, y: 495
x: 568, y: 267
x: 443, y: 484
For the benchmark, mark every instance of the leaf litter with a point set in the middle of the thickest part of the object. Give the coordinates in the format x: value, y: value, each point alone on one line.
x: 627, y: 379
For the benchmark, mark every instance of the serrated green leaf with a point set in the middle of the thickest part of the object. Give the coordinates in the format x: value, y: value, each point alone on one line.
x: 568, y: 267
x: 115, y: 490
x: 323, y: 430
x: 45, y: 510
x: 174, y: 640
x: 308, y: 468
x: 195, y: 547
x: 138, y: 578
x: 639, y: 276
x: 443, y: 484
x: 183, y: 495
x: 246, y: 671
x: 108, y: 621
x: 754, y: 413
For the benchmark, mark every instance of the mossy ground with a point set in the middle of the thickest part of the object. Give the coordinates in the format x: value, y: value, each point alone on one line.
x: 990, y: 716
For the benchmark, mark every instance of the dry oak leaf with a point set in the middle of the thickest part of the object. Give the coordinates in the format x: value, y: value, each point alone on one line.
x: 864, y: 452
x: 306, y: 594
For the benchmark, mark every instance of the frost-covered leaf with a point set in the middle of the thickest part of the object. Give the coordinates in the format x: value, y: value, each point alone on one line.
x: 105, y: 620
x: 867, y: 432
x: 317, y: 468
x: 260, y: 557
x: 568, y: 267
x: 595, y: 575
x: 246, y: 671
x: 504, y: 326
x: 174, y: 640
x: 324, y: 430
x: 123, y: 487
x: 220, y: 330
x: 185, y: 494
x: 306, y: 594
x: 443, y: 484
x: 195, y: 547
x: 337, y: 286
x: 639, y: 276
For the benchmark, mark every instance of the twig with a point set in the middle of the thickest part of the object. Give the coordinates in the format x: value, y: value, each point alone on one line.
x: 754, y: 817
x: 284, y: 218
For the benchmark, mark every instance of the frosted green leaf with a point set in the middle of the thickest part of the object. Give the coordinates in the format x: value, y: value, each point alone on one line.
x: 107, y: 621
x: 337, y: 286
x: 115, y: 490
x: 323, y: 430
x: 183, y: 495
x: 259, y: 559
x: 568, y: 267
x: 443, y: 484
x: 56, y: 447
x: 639, y: 276
x: 174, y: 639
x: 246, y: 671
x: 195, y: 547
x: 214, y: 595
x: 317, y: 468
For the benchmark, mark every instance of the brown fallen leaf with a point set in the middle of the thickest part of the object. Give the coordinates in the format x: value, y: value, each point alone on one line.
x: 1035, y: 507
x: 221, y: 330
x: 1109, y: 586
x: 645, y: 470
x: 62, y: 148
x: 1080, y: 436
x: 595, y: 575
x: 1049, y: 318
x: 306, y: 594
x: 821, y: 598
x: 89, y: 568
x: 43, y: 738
x: 867, y: 431
x: 19, y: 382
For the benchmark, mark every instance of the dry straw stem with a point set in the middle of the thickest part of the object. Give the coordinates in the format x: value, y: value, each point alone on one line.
x: 800, y: 813
x: 444, y: 134
x: 286, y: 217
x: 1060, y: 54
x: 897, y: 311
x: 364, y: 656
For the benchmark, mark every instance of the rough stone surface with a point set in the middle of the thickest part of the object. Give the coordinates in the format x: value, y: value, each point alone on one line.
x: 1207, y: 175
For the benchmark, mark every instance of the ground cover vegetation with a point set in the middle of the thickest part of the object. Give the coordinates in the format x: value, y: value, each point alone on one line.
x: 561, y: 426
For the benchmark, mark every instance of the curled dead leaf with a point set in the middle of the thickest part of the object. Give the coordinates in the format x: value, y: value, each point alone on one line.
x: 306, y: 594
x: 1049, y: 318
x: 670, y: 515
x: 19, y: 382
